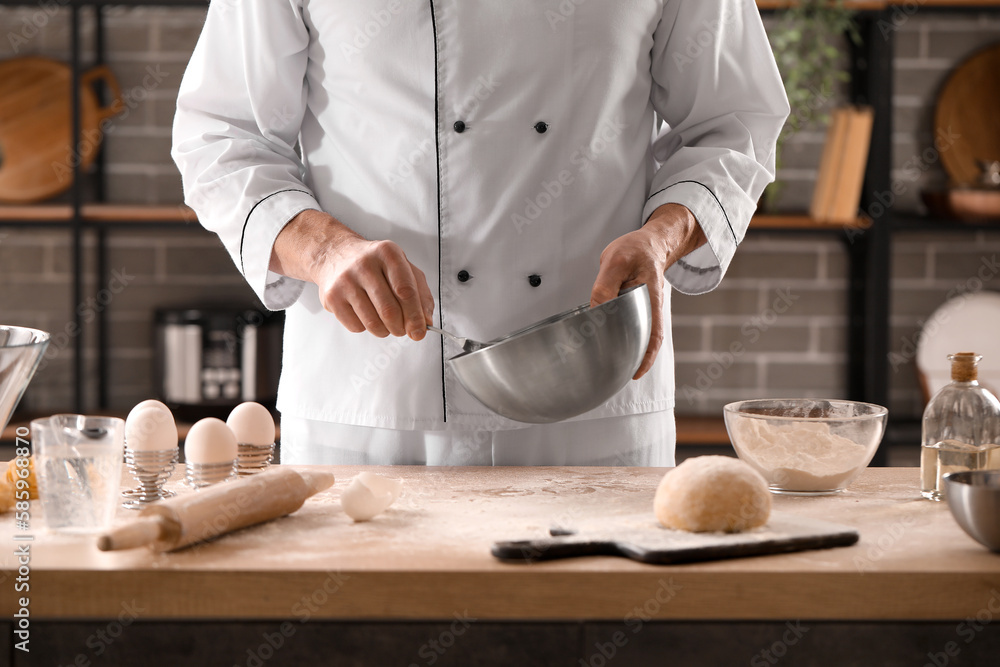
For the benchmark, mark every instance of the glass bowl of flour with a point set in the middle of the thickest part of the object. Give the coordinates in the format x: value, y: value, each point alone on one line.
x: 806, y: 446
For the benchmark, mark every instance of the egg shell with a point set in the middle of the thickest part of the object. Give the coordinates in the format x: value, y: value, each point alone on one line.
x: 368, y: 495
x: 252, y: 423
x: 210, y: 441
x: 150, y: 429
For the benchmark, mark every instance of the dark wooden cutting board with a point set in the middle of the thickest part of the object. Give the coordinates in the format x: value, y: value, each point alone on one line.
x: 641, y: 538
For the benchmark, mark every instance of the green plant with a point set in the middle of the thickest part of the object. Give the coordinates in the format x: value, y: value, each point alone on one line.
x: 808, y: 47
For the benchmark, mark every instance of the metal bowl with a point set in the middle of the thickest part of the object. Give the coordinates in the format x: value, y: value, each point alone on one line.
x: 974, y: 500
x: 21, y: 350
x: 564, y: 365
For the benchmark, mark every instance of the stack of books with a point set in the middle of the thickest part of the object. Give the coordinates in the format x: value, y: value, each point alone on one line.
x: 842, y: 167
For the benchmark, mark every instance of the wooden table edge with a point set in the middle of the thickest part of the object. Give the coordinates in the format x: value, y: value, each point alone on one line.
x: 662, y: 594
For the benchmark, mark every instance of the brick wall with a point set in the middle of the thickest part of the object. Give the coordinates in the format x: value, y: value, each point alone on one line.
x: 775, y: 326
x: 926, y: 267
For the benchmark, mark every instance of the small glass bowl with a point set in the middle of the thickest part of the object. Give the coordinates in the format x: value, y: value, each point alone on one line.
x: 805, y: 446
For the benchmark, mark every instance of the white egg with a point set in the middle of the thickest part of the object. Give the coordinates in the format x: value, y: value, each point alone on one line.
x: 150, y: 403
x: 150, y: 429
x: 252, y: 423
x: 369, y: 494
x: 210, y: 441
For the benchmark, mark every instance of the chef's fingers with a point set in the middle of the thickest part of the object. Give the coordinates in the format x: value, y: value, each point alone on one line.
x: 615, y: 270
x: 383, y: 274
x: 369, y: 315
x: 404, y: 284
x: 656, y: 287
x: 426, y: 296
x: 366, y: 311
x: 344, y: 312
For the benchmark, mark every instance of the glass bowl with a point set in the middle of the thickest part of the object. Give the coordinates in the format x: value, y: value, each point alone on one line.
x: 806, y: 446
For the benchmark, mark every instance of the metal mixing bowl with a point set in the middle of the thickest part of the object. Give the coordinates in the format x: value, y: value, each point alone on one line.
x: 564, y: 365
x: 974, y: 500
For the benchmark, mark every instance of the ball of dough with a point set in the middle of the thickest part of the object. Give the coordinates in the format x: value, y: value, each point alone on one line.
x: 712, y: 493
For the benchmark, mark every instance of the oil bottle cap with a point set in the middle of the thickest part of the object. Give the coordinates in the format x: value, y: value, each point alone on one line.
x: 963, y: 366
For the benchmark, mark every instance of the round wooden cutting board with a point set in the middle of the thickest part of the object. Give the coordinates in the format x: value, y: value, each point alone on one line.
x: 966, y: 126
x: 36, y: 152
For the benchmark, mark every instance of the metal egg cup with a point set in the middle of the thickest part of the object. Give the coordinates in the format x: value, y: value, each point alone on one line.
x: 151, y: 469
x: 199, y: 475
x: 253, y: 459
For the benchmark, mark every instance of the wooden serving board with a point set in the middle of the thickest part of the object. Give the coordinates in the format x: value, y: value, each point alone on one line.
x: 641, y: 538
x: 36, y: 141
x: 965, y: 120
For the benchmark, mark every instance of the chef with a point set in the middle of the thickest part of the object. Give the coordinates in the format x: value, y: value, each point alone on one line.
x: 377, y: 166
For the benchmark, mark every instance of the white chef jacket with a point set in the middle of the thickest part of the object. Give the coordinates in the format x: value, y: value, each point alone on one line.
x: 502, y: 145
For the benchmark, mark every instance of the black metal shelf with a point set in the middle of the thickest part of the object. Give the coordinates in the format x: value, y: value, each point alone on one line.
x: 911, y: 222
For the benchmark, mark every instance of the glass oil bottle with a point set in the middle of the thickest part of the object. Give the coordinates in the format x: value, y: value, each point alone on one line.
x: 961, y: 427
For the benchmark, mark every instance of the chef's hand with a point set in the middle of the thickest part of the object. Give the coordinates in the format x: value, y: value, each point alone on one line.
x: 641, y: 257
x: 368, y: 285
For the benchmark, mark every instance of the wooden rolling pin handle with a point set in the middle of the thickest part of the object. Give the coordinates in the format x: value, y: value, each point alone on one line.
x: 139, y: 533
x: 316, y: 481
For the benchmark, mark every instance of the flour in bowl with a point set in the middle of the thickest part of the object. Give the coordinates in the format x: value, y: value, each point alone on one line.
x: 799, y: 456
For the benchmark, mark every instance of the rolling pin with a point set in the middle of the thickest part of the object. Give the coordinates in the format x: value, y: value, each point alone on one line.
x: 177, y: 522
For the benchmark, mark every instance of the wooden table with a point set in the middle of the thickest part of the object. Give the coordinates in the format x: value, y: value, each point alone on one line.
x: 429, y: 555
x: 428, y: 558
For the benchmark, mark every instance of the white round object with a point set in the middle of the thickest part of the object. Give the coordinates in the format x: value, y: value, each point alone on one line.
x: 712, y: 493
x: 149, y: 403
x: 210, y: 441
x: 966, y: 323
x: 252, y: 423
x: 368, y: 495
x: 150, y: 427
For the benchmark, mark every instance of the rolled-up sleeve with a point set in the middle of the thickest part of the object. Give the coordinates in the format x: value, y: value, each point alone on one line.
x: 239, y: 112
x: 716, y: 85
